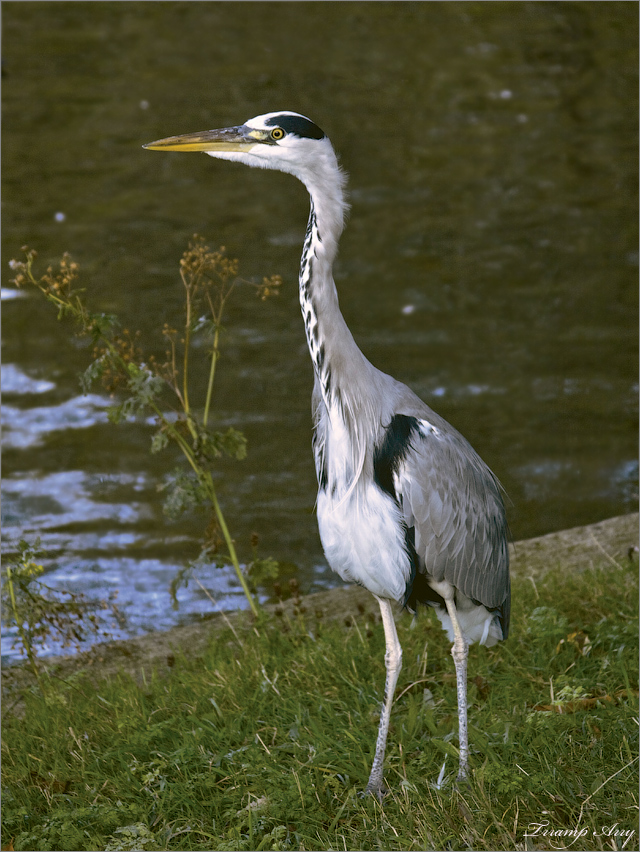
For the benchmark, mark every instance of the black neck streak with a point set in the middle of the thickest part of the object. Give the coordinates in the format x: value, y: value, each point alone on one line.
x: 308, y: 304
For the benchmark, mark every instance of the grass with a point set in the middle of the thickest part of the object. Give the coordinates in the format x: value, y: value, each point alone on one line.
x: 266, y: 741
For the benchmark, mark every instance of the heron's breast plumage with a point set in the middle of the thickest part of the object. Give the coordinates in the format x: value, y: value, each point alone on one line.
x: 364, y: 542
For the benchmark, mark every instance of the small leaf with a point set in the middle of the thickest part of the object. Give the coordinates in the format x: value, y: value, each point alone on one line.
x: 93, y: 373
x: 184, y: 493
x: 263, y: 569
x: 579, y: 640
x: 230, y: 443
x: 115, y: 414
x: 159, y: 441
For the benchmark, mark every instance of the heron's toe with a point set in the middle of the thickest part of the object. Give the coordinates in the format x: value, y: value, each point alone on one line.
x: 377, y: 790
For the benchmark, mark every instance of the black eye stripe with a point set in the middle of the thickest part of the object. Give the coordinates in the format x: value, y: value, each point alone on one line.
x: 296, y: 124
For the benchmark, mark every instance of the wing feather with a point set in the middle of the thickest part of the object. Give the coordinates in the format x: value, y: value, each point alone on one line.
x: 453, y: 501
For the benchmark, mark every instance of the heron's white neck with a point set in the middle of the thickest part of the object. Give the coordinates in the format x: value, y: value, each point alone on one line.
x: 347, y: 402
x: 337, y: 360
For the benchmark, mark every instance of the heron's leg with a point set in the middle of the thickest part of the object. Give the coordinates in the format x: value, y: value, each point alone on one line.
x: 459, y: 652
x: 393, y: 663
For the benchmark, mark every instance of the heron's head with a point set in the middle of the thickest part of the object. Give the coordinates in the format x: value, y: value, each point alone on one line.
x: 284, y: 141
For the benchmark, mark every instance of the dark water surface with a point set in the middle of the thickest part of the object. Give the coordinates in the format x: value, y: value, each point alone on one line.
x: 490, y: 259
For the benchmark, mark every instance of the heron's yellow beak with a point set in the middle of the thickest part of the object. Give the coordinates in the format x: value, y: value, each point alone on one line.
x: 227, y: 139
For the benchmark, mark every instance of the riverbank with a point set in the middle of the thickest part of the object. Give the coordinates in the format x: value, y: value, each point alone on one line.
x: 243, y: 735
x: 597, y: 545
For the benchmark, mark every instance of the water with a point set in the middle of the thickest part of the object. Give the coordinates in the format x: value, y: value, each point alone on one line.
x: 490, y: 259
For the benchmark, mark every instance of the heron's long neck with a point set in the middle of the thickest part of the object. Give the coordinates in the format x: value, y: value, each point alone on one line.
x: 337, y: 360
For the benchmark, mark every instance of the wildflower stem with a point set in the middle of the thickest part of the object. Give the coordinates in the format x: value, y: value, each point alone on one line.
x: 230, y: 546
x: 187, y: 342
x: 215, y: 354
x: 206, y: 479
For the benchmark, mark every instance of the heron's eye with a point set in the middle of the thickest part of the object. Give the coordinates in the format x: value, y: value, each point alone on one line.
x: 277, y: 133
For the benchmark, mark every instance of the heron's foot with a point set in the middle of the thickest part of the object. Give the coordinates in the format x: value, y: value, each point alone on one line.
x: 378, y: 790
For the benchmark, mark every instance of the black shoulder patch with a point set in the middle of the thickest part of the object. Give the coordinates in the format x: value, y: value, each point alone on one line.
x: 388, y: 455
x: 297, y: 124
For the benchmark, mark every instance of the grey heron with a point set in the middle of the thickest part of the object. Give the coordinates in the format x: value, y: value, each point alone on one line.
x: 406, y: 507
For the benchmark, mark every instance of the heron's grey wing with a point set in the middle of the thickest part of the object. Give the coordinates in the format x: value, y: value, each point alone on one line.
x: 453, y: 502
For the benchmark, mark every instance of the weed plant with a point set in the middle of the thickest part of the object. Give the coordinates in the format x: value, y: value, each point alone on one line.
x: 266, y: 741
x: 143, y: 385
x: 40, y: 612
